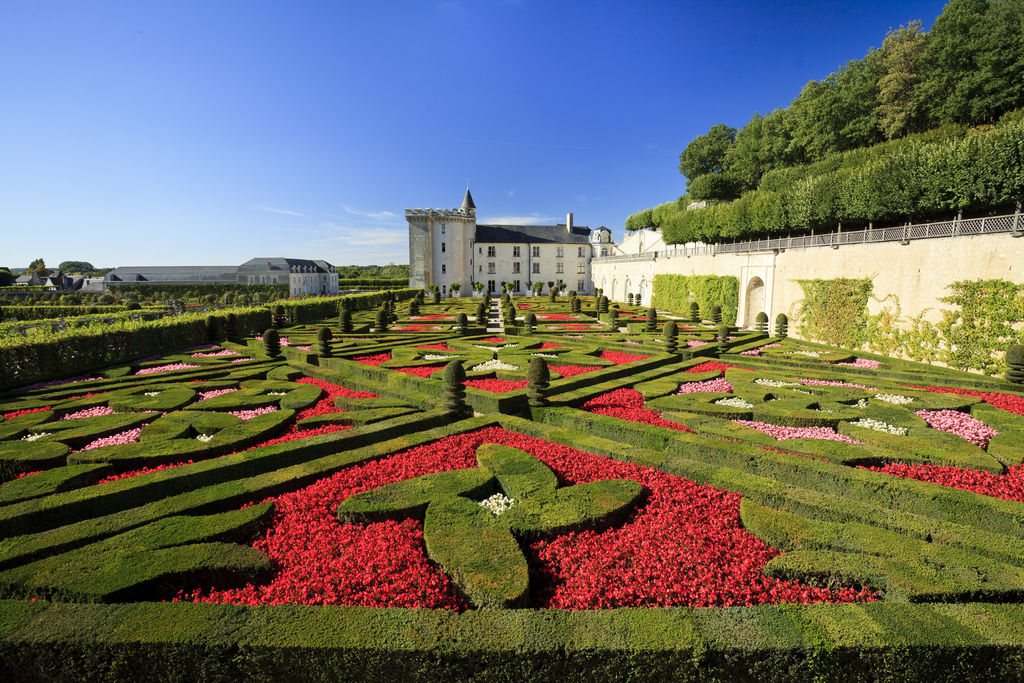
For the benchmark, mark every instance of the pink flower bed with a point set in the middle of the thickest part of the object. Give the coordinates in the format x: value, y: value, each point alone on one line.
x: 304, y: 347
x: 170, y: 367
x: 494, y: 340
x: 684, y: 546
x: 415, y: 328
x: 718, y: 385
x: 780, y: 433
x: 497, y: 386
x: 572, y: 370
x: 241, y: 360
x: 254, y: 412
x: 96, y: 411
x: 434, y: 316
x: 863, y: 363
x: 121, y: 438
x: 436, y: 347
x: 714, y: 366
x: 557, y: 316
x: 61, y: 382
x: 203, y: 395
x: 758, y: 350
x: 215, y: 354
x: 620, y: 358
x: 694, y: 343
x: 961, y: 424
x: 1008, y: 402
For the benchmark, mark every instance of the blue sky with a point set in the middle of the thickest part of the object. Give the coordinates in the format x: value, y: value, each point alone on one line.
x: 146, y: 133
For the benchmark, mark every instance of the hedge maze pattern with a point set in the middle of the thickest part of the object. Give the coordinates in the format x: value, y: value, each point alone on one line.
x: 672, y: 501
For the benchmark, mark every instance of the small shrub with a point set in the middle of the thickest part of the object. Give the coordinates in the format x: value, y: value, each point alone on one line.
x: 761, y: 322
x: 272, y: 343
x: 461, y: 323
x: 454, y: 400
x: 716, y: 314
x: 538, y: 378
x: 671, y: 337
x: 781, y: 325
x: 345, y: 321
x: 323, y: 342
x: 1015, y: 364
x: 381, y: 321
x: 652, y: 320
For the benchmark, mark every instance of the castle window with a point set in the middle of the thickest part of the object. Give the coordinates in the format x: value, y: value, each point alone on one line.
x: 579, y: 251
x: 515, y: 267
x: 491, y: 252
x: 515, y: 252
x: 490, y: 269
x: 442, y: 247
x: 518, y: 287
x: 581, y: 268
x: 480, y: 269
x: 579, y: 285
x: 559, y: 267
x: 536, y: 267
x: 604, y: 251
x: 479, y: 250
x: 536, y: 253
x: 560, y: 252
x: 442, y: 228
x: 443, y: 269
x: 490, y: 285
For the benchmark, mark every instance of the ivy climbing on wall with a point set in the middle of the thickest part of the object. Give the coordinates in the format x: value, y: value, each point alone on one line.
x: 986, y: 320
x: 675, y: 292
x: 835, y: 311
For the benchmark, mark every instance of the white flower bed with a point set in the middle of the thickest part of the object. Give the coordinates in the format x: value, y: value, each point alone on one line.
x: 33, y: 437
x: 895, y: 399
x: 812, y: 354
x: 497, y: 503
x: 861, y: 403
x: 436, y: 356
x: 735, y: 402
x: 495, y: 364
x: 493, y: 348
x: 544, y: 355
x: 277, y: 393
x: 880, y: 426
x: 152, y: 393
x: 775, y: 383
x: 204, y: 437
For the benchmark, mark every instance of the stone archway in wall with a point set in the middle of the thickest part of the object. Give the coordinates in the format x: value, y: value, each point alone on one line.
x: 645, y: 297
x: 754, y: 301
x: 610, y: 293
x: 625, y: 290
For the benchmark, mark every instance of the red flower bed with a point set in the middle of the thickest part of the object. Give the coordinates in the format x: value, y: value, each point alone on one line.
x: 415, y: 328
x: 433, y: 316
x: 423, y: 371
x: 618, y: 357
x: 1008, y: 402
x: 436, y: 347
x: 628, y: 404
x: 325, y: 406
x: 498, y: 386
x: 549, y: 345
x: 557, y: 316
x: 26, y: 411
x: 374, y: 360
x: 573, y: 327
x: 493, y: 340
x: 683, y: 547
x: 1009, y: 486
x: 715, y: 366
x: 144, y: 470
x: 572, y: 370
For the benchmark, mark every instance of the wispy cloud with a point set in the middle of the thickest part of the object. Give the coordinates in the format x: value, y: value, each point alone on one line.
x: 512, y: 192
x: 286, y: 212
x: 375, y: 215
x: 581, y: 198
x: 533, y: 219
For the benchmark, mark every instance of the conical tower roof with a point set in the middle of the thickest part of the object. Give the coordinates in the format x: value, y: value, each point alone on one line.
x: 467, y: 201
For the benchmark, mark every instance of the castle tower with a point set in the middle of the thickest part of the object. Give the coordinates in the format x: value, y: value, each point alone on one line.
x: 441, y: 246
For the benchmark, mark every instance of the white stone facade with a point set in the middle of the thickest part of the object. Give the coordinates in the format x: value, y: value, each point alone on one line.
x: 447, y: 246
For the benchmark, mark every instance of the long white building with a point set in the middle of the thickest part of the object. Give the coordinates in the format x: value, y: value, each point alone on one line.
x: 447, y: 246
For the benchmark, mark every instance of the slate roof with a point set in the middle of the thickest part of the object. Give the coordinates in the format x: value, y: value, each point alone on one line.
x: 278, y: 263
x: 172, y: 274
x: 467, y: 201
x: 539, y: 234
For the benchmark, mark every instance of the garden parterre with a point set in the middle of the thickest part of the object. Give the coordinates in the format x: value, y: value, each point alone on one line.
x: 783, y: 496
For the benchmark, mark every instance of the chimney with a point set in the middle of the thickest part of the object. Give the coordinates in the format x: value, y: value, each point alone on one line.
x: 568, y: 222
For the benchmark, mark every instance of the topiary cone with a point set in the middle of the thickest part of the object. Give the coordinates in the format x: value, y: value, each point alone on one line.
x: 781, y: 325
x: 454, y: 397
x: 723, y: 338
x: 345, y: 321
x: 272, y: 343
x: 529, y: 323
x: 538, y: 378
x: 613, y: 318
x: 231, y: 327
x: 652, y: 320
x: 671, y: 337
x: 694, y: 312
x: 761, y: 322
x: 1015, y: 364
x: 716, y: 314
x: 323, y: 342
x: 461, y: 323
x: 380, y: 323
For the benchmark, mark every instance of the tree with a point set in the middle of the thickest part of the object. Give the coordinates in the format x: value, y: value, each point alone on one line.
x: 538, y: 287
x: 902, y: 53
x: 706, y: 153
x: 455, y: 287
x: 6, y: 279
x: 75, y: 267
x: 38, y: 267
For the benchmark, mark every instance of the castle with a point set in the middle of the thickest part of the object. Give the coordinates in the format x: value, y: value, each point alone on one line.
x: 448, y: 247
